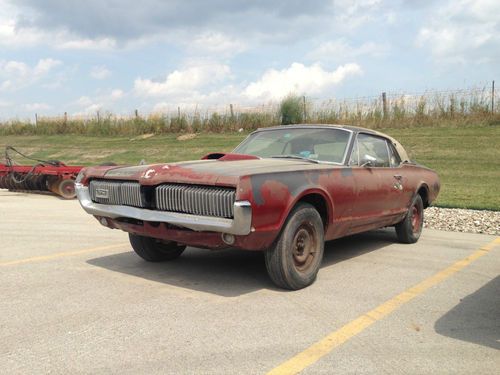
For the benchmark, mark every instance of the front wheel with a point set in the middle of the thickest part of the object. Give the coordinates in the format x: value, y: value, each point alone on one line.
x: 154, y: 250
x: 294, y: 261
x: 410, y: 228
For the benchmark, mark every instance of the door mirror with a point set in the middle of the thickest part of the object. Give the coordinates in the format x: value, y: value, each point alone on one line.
x: 368, y: 161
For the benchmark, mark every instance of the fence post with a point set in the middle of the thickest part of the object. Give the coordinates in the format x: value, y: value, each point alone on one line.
x: 304, y: 107
x: 178, y: 112
x: 98, y: 118
x: 493, y: 96
x: 36, y: 119
x: 232, y: 111
x: 384, y: 104
x: 65, y: 118
x: 136, y: 113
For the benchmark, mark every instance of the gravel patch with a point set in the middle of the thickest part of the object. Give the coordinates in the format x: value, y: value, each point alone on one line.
x: 462, y: 220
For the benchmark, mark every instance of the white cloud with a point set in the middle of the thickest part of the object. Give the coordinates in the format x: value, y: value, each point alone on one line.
x: 463, y: 31
x: 12, y: 35
x: 37, y: 107
x: 298, y: 78
x: 341, y: 50
x: 85, y: 44
x: 5, y: 104
x: 100, y: 72
x: 183, y: 80
x: 117, y: 94
x: 18, y: 74
x: 83, y: 101
x: 351, y: 14
x: 215, y: 43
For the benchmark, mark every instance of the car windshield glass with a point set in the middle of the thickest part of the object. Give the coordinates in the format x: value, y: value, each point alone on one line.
x: 328, y: 145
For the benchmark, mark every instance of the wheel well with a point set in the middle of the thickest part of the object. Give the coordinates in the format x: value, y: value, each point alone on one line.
x: 424, y: 194
x: 319, y: 203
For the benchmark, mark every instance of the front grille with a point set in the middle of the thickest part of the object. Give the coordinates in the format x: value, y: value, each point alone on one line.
x: 116, y: 192
x: 196, y: 200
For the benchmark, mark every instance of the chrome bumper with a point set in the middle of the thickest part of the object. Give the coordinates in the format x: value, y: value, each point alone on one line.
x: 239, y: 225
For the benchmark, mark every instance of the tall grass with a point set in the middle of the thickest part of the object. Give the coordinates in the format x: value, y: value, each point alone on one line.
x: 456, y: 108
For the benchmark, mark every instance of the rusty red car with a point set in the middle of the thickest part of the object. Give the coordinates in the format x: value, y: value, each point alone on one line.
x: 284, y: 190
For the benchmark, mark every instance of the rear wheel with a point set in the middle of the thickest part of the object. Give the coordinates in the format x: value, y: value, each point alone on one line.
x: 410, y: 228
x: 154, y: 250
x: 294, y: 261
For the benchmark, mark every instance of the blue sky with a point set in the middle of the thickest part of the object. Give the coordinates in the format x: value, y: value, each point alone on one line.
x: 152, y: 55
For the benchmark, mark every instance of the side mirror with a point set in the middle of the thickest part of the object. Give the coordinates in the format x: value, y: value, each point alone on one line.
x: 368, y: 161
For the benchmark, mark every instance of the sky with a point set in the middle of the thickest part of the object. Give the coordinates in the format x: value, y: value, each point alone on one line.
x: 80, y: 57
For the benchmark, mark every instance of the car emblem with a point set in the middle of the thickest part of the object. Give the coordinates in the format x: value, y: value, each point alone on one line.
x: 149, y: 173
x: 102, y: 193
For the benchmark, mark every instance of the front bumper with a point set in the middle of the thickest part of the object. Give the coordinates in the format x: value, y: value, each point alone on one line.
x: 241, y: 224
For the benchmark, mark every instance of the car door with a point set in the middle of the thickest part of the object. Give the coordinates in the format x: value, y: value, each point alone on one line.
x: 378, y: 184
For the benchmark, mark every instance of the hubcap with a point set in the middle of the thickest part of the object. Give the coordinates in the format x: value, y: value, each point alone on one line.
x: 304, y: 247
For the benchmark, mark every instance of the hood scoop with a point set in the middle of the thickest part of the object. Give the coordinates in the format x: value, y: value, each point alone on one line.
x: 228, y: 156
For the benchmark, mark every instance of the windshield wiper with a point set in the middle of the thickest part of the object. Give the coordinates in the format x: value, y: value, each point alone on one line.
x: 294, y: 157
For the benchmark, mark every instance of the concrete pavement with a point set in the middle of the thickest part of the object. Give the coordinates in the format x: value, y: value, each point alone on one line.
x: 75, y: 298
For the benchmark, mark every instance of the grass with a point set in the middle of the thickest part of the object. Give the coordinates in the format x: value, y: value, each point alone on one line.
x: 470, y: 107
x: 466, y: 158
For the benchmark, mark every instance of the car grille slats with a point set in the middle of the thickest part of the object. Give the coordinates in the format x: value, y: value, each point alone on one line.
x: 196, y: 200
x: 190, y: 199
x: 116, y: 192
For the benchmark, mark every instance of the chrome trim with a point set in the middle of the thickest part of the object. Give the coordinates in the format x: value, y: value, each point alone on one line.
x: 196, y: 199
x: 127, y: 193
x: 240, y: 225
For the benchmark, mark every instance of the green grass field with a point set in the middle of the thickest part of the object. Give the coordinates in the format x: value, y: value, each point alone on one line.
x: 466, y: 158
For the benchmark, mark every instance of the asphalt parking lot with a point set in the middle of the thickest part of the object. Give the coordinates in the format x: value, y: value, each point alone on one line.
x: 76, y: 299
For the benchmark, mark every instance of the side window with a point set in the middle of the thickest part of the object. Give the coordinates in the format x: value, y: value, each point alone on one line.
x: 395, y: 158
x: 373, y: 148
x: 354, y: 159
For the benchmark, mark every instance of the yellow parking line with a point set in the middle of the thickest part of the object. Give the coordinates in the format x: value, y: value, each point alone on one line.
x: 312, y: 354
x: 59, y: 255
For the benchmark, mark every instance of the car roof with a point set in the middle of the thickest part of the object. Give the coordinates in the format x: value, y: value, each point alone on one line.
x: 355, y: 129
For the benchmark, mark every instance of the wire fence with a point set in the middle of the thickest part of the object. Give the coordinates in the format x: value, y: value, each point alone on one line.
x: 473, y: 105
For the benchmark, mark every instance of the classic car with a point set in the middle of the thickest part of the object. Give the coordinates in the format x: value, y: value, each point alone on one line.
x: 284, y: 190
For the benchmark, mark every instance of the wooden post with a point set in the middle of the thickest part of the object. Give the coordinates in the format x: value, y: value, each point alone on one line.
x: 179, y: 112
x: 493, y: 97
x: 384, y: 104
x: 36, y: 119
x: 65, y: 117
x: 304, y: 107
x: 232, y: 111
x: 136, y: 113
x: 98, y: 118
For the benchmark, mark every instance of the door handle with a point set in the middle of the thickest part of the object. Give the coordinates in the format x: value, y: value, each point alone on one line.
x: 398, y: 177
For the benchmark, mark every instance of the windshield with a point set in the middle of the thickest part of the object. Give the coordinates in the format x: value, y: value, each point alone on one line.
x: 328, y: 145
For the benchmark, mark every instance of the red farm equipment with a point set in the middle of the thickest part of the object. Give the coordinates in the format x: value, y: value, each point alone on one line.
x: 45, y: 176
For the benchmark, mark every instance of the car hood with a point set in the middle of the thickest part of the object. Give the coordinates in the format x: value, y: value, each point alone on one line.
x: 205, y: 172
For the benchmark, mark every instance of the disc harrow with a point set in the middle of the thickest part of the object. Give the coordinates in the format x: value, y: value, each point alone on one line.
x: 45, y: 176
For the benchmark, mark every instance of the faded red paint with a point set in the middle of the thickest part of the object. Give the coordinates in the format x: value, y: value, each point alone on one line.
x: 355, y: 199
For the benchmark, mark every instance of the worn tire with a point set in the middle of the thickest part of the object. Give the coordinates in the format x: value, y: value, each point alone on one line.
x: 410, y: 228
x: 154, y: 250
x: 294, y: 261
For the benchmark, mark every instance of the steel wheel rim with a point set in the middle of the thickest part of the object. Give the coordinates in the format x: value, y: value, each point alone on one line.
x: 304, y: 247
x: 67, y: 189
x: 416, y: 219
